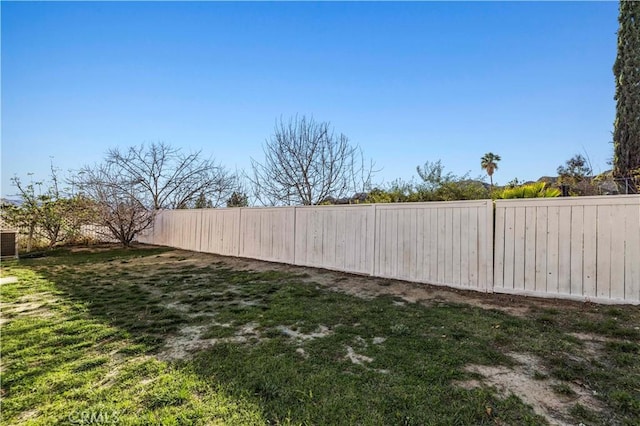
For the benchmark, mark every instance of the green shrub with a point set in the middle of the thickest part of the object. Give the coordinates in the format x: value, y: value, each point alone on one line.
x: 532, y: 190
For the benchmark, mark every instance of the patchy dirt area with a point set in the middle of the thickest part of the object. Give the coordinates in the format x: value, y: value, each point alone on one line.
x: 36, y: 306
x: 529, y: 381
x: 322, y: 331
x: 365, y: 286
x: 193, y: 299
x: 189, y: 340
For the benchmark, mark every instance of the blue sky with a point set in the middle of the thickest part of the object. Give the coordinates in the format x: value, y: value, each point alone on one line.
x: 408, y: 82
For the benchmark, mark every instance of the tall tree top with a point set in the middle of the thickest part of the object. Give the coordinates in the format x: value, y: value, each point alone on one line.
x: 626, y: 135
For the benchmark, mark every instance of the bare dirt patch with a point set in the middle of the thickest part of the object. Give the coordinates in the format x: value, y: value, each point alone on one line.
x: 356, y: 358
x: 8, y: 280
x: 321, y: 331
x: 189, y: 339
x: 538, y: 392
x: 365, y: 287
x: 36, y: 305
x: 592, y: 343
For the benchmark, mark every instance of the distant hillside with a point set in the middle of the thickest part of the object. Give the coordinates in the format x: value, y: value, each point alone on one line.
x: 10, y: 202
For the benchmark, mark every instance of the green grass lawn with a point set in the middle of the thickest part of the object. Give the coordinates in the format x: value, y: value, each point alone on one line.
x: 150, y: 336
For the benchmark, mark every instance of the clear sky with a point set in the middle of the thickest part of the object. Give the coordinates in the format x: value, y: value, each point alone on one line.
x: 408, y: 82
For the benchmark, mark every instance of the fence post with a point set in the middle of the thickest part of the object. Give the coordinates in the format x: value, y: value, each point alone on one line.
x: 490, y: 247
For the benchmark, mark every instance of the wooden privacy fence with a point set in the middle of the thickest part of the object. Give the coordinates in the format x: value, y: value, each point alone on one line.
x: 585, y: 248
x: 446, y: 243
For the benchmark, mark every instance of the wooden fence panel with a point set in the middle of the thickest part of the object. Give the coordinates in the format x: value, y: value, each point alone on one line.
x: 220, y: 231
x: 268, y: 234
x: 335, y: 237
x: 585, y: 248
x: 445, y: 243
x: 175, y: 228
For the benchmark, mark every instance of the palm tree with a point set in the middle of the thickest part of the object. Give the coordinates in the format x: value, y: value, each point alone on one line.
x: 489, y: 162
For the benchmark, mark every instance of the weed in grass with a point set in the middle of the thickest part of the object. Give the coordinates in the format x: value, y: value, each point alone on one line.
x: 622, y: 347
x: 218, y: 331
x: 400, y: 329
x: 537, y: 375
x: 608, y: 327
x: 585, y: 415
x: 89, y: 364
x: 564, y: 368
x: 626, y: 402
x: 563, y: 389
x: 546, y: 321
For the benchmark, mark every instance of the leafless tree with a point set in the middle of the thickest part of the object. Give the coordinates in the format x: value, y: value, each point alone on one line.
x: 117, y: 197
x: 171, y: 179
x: 130, y: 186
x: 307, y: 163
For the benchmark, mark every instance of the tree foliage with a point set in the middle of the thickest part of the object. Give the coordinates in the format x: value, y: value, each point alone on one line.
x: 202, y: 202
x: 489, y: 163
x: 306, y: 162
x: 434, y: 185
x: 46, y: 213
x: 437, y: 185
x: 576, y: 174
x: 576, y: 168
x: 626, y: 134
x: 238, y: 199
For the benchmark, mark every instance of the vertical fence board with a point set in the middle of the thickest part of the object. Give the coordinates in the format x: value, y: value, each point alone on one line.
x: 442, y: 236
x: 448, y: 246
x: 530, y: 249
x: 590, y: 251
x: 434, y: 234
x: 553, y: 219
x: 499, y: 249
x: 618, y: 239
x: 564, y: 250
x: 603, y: 262
x: 485, y: 254
x: 509, y: 248
x: 421, y: 240
x: 541, y: 249
x: 466, y: 239
x: 474, y: 248
x: 412, y: 242
x: 577, y: 250
x: 632, y: 253
x: 519, y: 239
x: 456, y: 246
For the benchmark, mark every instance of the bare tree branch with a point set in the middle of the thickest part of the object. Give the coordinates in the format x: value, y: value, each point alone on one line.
x: 307, y: 163
x: 131, y: 185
